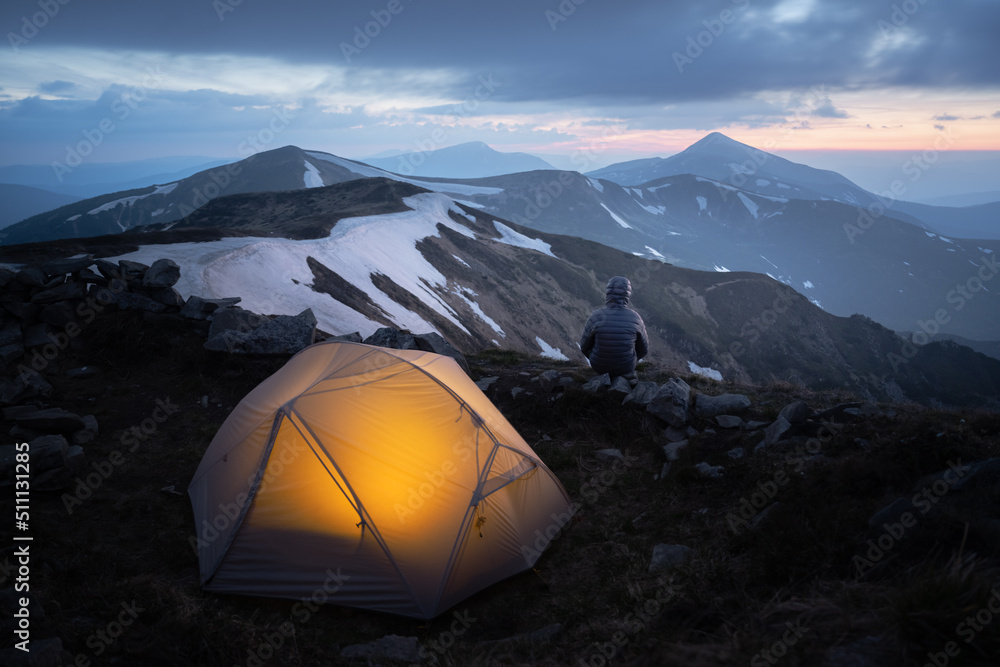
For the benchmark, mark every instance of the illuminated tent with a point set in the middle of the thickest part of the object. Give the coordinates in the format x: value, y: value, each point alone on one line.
x: 374, y: 478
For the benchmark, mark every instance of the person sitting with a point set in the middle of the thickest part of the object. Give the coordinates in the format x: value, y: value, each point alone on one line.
x: 614, y: 337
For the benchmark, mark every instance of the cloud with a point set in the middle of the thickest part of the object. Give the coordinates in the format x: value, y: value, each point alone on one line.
x: 940, y: 128
x: 996, y: 114
x: 56, y: 87
x: 947, y: 117
x: 827, y: 110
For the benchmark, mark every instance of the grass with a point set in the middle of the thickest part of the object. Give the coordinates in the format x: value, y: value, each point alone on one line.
x: 127, y: 542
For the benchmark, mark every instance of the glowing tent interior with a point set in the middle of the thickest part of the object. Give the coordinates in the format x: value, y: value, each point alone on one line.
x: 383, y: 477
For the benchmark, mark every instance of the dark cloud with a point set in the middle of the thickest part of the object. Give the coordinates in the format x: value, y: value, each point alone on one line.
x: 56, y: 87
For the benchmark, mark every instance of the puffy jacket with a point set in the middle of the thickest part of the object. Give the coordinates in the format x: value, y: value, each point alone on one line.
x: 614, y: 338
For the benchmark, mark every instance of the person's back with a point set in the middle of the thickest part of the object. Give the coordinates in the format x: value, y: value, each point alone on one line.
x: 614, y: 338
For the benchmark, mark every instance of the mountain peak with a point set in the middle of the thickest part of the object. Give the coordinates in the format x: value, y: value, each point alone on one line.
x: 716, y: 141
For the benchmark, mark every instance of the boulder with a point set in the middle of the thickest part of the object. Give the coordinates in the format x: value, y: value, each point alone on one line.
x: 393, y: 338
x: 796, y: 412
x: 353, y: 337
x: 609, y: 454
x: 642, y: 393
x: 672, y: 402
x: 197, y: 308
x: 669, y: 556
x: 724, y: 404
x: 777, y: 430
x: 60, y: 267
x: 620, y: 385
x: 133, y: 301
x: 31, y: 276
x: 63, y: 292
x: 673, y: 450
x: 130, y: 269
x: 47, y: 452
x: 484, y: 384
x: 162, y: 273
x: 168, y: 296
x: 435, y: 342
x: 548, y: 380
x: 595, y: 384
x: 391, y: 647
x: 51, y: 420
x: 234, y: 318
x: 108, y: 269
x: 708, y: 470
x: 285, y: 334
x: 729, y: 421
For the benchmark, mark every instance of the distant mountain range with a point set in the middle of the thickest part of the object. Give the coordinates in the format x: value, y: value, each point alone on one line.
x: 811, y: 229
x: 377, y: 252
x: 24, y: 201
x: 474, y: 159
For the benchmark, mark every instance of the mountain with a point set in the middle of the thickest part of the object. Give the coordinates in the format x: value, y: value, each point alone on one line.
x: 844, y: 258
x: 376, y: 252
x: 23, y: 201
x: 474, y: 159
x: 735, y: 164
x: 968, y: 199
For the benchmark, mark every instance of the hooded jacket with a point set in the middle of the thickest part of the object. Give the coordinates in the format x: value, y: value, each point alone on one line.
x: 614, y: 338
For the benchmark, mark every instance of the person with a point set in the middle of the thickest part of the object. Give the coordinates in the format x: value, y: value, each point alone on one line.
x: 614, y: 338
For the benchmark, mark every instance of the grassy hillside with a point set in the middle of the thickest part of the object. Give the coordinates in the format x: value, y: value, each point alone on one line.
x: 775, y: 541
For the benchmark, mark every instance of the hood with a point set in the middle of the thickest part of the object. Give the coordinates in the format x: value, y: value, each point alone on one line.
x: 619, y: 291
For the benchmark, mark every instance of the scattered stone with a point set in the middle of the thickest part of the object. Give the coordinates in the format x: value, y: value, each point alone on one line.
x: 642, y: 393
x: 353, y: 337
x: 60, y: 267
x: 672, y: 402
x: 64, y: 292
x: 31, y: 277
x: 534, y: 638
x: 133, y: 301
x: 709, y: 406
x: 484, y: 384
x: 796, y: 412
x: 736, y: 453
x: 162, y: 273
x: 777, y: 430
x: 729, y: 421
x: 88, y: 433
x: 130, y: 269
x: 516, y: 391
x: 108, y: 269
x: 197, y: 308
x: 675, y: 434
x: 669, y: 556
x: 753, y: 425
x: 620, y: 385
x: 609, y: 455
x: 710, y: 471
x: 595, y: 384
x: 233, y: 318
x: 548, y: 380
x: 672, y: 450
x: 566, y: 381
x: 390, y: 647
x: 82, y: 372
x: 168, y: 296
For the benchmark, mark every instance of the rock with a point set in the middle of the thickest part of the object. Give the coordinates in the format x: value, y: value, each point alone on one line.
x: 134, y: 301
x: 23, y: 387
x: 285, y: 334
x: 710, y: 406
x: 736, y: 453
x: 354, y: 337
x: 642, y: 393
x: 548, y: 380
x: 168, y: 296
x: 609, y: 455
x: 233, y: 318
x: 672, y: 450
x: 60, y: 267
x: 6, y: 276
x: 620, y: 385
x: 10, y: 353
x: 796, y: 412
x: 47, y: 452
x: 10, y: 336
x: 31, y: 277
x: 436, y: 343
x: 672, y: 402
x: 390, y: 647
x: 753, y: 425
x: 675, y: 434
x: 710, y: 471
x: 108, y: 269
x: 162, y: 273
x: 197, y: 308
x: 89, y: 277
x: 82, y: 372
x: 728, y: 421
x: 534, y: 638
x: 595, y: 384
x: 51, y: 420
x: 58, y: 314
x: 39, y: 334
x: 777, y: 430
x: 484, y: 384
x: 566, y: 381
x: 669, y: 556
x: 395, y: 339
x: 516, y: 391
x: 130, y: 269
x: 88, y: 433
x: 64, y: 292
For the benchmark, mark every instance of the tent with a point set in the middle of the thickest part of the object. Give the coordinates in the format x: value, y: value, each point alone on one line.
x: 373, y: 478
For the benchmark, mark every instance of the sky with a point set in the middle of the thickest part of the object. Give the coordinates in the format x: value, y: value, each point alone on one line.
x: 593, y: 80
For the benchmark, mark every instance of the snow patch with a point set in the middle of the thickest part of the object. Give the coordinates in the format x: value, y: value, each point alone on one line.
x: 702, y: 203
x: 75, y: 217
x: 621, y: 222
x: 787, y: 187
x: 470, y: 203
x: 312, y: 178
x: 460, y: 261
x: 519, y: 240
x: 471, y: 218
x: 480, y: 314
x: 596, y: 184
x: 372, y: 172
x: 763, y: 182
x: 986, y: 250
x: 653, y: 250
x: 721, y: 269
x: 129, y: 201
x: 655, y: 210
x: 931, y: 234
x: 157, y: 212
x: 808, y: 284
x: 709, y: 373
x: 659, y: 187
x: 945, y: 240
x: 715, y: 183
x: 550, y: 352
x: 749, y: 203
